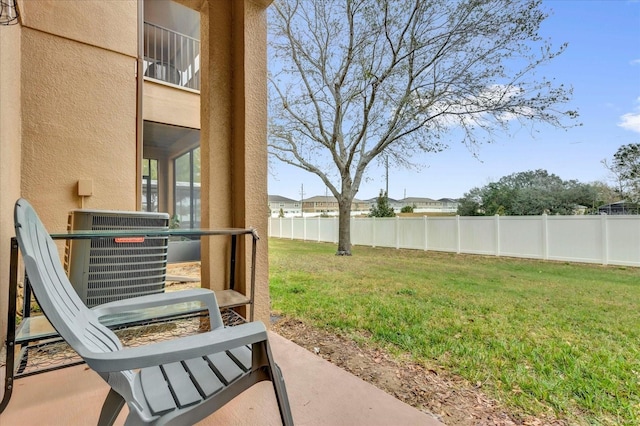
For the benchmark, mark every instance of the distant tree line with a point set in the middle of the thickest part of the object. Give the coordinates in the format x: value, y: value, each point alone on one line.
x: 533, y: 192
x: 537, y: 192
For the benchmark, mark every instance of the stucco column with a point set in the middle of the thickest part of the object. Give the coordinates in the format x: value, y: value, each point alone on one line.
x: 233, y: 138
x: 250, y: 147
x: 10, y: 152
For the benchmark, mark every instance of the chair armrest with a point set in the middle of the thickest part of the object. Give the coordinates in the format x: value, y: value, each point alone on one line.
x: 206, y: 296
x: 177, y: 349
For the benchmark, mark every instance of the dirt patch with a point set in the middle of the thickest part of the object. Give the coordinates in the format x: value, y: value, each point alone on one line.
x: 450, y: 399
x: 181, y: 276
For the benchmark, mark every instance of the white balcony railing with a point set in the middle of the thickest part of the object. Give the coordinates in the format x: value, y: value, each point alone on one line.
x: 171, y: 57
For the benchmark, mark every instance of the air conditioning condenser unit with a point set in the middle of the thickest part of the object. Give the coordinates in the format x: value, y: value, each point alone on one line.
x: 107, y: 269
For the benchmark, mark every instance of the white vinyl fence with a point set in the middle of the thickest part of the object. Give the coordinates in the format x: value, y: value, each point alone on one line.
x: 602, y: 239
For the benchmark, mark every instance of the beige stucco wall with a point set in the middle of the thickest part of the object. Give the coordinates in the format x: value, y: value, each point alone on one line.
x: 215, y: 135
x: 250, y: 145
x: 67, y: 112
x: 68, y: 103
x: 78, y: 105
x: 110, y: 25
x: 79, y: 109
x: 233, y: 133
x: 164, y: 103
x: 10, y: 137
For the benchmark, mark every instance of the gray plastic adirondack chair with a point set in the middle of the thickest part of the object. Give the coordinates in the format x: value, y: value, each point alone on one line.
x: 179, y: 381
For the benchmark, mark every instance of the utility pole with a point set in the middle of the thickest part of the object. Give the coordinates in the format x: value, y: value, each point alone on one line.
x: 387, y: 167
x: 326, y: 201
x: 302, y: 199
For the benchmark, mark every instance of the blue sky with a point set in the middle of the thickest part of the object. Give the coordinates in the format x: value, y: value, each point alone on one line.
x: 602, y: 63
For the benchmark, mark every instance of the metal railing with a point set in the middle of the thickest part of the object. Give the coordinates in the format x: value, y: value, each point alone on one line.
x: 171, y: 57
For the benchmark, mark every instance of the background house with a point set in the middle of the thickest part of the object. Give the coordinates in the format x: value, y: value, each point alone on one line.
x: 621, y: 207
x: 421, y: 205
x: 284, y: 205
x: 128, y: 96
x: 393, y: 203
x: 328, y: 205
x: 428, y: 205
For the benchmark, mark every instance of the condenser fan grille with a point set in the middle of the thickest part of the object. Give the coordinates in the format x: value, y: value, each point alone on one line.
x: 109, y: 269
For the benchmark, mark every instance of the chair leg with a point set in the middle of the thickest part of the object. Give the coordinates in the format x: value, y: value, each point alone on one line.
x: 279, y: 387
x: 281, y: 395
x: 262, y: 357
x: 111, y: 408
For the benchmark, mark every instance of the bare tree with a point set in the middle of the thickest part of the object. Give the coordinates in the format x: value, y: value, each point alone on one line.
x: 625, y: 171
x: 351, y: 79
x: 614, y: 176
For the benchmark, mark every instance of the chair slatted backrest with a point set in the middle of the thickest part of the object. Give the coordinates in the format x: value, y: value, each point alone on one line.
x: 71, y: 318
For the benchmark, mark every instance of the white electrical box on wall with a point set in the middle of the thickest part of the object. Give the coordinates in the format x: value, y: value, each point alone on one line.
x: 85, y: 187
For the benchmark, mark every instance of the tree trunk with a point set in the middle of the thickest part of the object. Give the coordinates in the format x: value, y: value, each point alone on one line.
x: 344, y: 227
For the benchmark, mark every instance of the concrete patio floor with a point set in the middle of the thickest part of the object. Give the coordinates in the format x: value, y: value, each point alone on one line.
x: 319, y: 393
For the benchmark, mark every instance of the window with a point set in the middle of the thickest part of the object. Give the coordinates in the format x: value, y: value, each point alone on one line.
x: 149, y: 185
x: 187, y: 189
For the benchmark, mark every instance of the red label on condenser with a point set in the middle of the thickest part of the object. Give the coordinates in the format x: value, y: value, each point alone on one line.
x: 129, y: 239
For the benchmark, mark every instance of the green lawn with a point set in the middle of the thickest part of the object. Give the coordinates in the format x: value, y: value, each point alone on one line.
x: 538, y: 336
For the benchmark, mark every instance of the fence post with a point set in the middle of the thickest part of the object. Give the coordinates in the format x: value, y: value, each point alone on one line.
x: 304, y: 228
x: 280, y: 227
x: 319, y: 217
x: 426, y: 233
x: 545, y: 237
x: 397, y: 232
x: 497, y: 219
x: 458, y: 234
x: 373, y: 232
x: 605, y: 239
